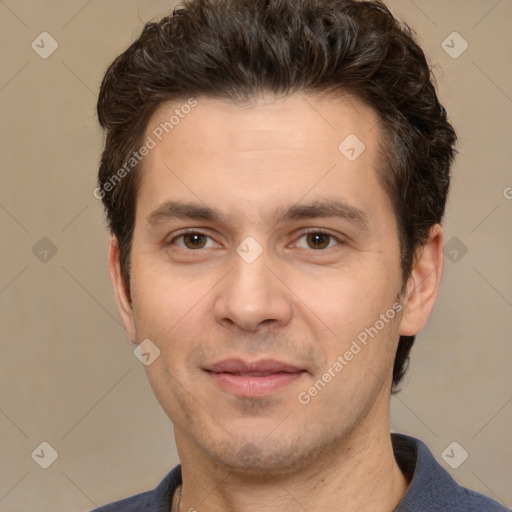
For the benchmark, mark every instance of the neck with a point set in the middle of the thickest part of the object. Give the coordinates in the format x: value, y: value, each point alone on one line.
x: 359, y: 473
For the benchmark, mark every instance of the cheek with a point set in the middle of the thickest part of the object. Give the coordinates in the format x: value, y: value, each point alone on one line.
x: 163, y: 300
x: 170, y: 311
x: 346, y: 300
x: 175, y: 311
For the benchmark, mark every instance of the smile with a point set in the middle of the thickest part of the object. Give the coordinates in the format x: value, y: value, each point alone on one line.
x: 253, y: 379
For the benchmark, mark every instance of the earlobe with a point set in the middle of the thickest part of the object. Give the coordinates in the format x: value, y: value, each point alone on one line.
x: 423, y: 283
x: 121, y: 290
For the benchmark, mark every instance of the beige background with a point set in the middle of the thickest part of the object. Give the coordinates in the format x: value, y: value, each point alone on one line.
x: 67, y: 371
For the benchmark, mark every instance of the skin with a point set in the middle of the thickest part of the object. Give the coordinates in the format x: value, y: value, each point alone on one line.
x: 296, y: 303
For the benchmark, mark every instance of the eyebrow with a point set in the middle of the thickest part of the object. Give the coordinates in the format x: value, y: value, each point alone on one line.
x: 318, y: 209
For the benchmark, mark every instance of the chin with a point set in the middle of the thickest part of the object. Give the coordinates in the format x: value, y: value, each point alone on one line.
x: 254, y: 454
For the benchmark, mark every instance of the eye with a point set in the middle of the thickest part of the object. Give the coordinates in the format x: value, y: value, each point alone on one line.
x: 317, y: 240
x: 193, y: 240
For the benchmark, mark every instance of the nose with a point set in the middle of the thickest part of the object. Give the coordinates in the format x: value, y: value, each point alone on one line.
x: 253, y: 296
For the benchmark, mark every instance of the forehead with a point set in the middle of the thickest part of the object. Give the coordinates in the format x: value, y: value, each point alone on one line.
x: 283, y: 149
x: 296, y: 122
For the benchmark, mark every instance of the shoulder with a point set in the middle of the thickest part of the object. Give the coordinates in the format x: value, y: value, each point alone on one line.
x: 132, y: 504
x: 432, y: 488
x: 157, y: 500
x: 474, y: 501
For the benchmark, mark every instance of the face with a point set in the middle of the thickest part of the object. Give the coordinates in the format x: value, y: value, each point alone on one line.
x: 265, y: 267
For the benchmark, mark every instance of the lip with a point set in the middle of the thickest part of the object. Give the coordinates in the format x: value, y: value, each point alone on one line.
x: 253, y: 378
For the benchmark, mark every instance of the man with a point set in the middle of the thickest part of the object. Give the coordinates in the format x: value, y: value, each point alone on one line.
x: 274, y: 176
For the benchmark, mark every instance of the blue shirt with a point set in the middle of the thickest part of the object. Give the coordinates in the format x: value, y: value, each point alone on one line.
x: 431, y: 487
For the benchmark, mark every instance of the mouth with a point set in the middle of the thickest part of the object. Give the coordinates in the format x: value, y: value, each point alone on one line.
x: 253, y: 379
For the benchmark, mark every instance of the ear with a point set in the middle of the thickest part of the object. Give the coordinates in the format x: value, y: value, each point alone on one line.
x: 423, y: 283
x: 121, y: 289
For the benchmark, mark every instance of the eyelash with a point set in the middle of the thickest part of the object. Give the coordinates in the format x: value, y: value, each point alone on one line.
x: 304, y: 233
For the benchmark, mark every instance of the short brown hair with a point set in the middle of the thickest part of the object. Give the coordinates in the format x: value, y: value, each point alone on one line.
x: 237, y: 49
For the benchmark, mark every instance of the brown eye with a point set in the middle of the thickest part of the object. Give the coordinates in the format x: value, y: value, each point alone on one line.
x: 318, y: 240
x: 194, y: 240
